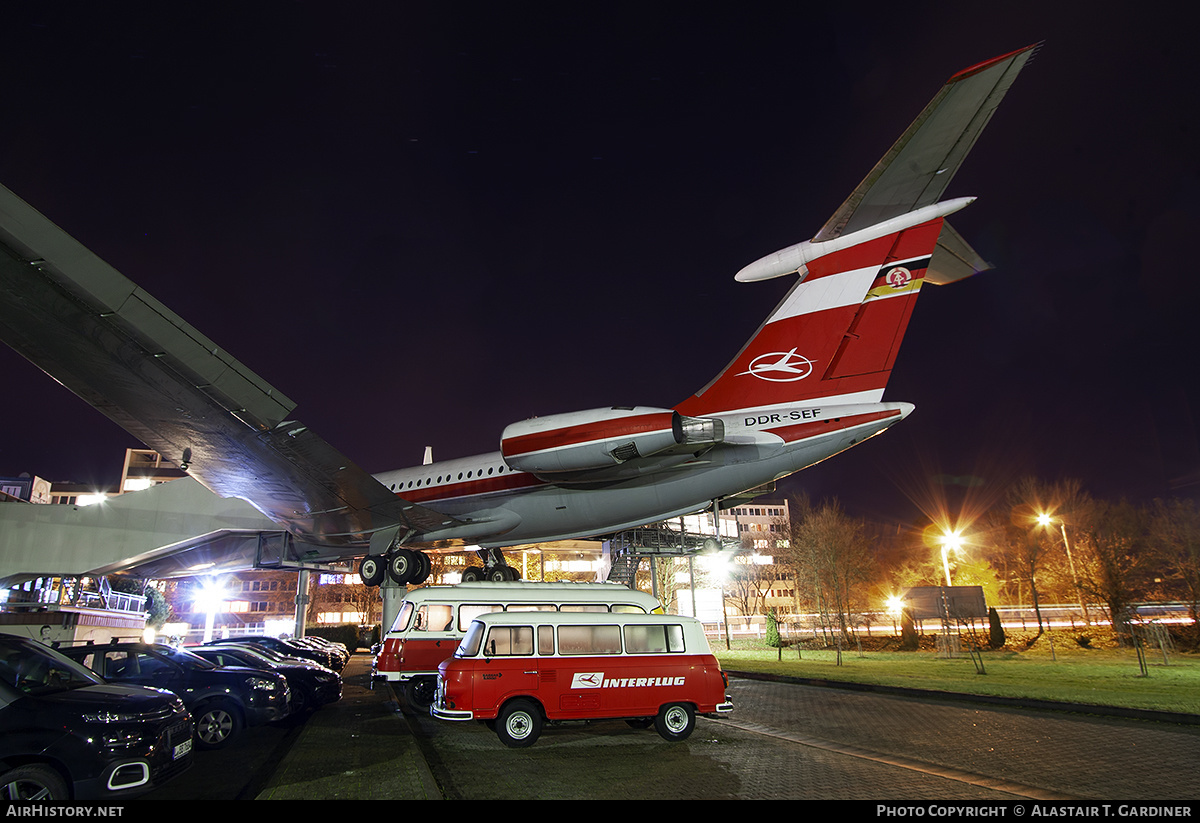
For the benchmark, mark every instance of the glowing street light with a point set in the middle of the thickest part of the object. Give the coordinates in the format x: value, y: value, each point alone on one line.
x: 951, y: 540
x: 1045, y: 520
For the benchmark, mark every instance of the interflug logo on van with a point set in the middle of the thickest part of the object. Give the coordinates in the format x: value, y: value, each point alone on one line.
x: 596, y: 680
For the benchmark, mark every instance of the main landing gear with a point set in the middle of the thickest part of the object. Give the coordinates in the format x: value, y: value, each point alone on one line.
x: 411, y: 567
x: 403, y: 566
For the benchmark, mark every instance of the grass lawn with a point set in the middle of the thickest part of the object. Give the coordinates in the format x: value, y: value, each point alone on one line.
x: 1071, y: 674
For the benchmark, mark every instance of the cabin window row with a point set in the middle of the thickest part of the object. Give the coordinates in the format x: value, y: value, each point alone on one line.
x: 439, y: 617
x: 576, y: 641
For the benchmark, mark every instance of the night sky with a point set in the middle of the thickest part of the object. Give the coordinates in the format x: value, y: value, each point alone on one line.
x: 423, y: 222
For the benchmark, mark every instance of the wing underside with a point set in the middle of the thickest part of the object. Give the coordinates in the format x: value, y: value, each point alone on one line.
x: 119, y: 349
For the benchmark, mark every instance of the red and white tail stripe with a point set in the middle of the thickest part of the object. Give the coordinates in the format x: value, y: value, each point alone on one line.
x: 835, y: 336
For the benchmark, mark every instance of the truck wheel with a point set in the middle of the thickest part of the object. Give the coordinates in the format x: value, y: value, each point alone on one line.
x: 675, y: 721
x: 217, y: 724
x: 419, y: 692
x: 519, y: 724
x: 32, y: 782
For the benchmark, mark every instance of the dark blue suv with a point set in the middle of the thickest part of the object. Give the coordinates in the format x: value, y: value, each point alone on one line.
x: 222, y: 699
x: 65, y: 734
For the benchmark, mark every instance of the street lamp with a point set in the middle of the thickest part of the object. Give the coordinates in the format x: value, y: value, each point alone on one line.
x: 950, y: 540
x: 1045, y: 520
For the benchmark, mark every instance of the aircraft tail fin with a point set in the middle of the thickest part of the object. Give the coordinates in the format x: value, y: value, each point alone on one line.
x: 836, y: 334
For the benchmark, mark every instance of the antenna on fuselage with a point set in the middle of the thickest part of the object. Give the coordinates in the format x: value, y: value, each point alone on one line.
x: 428, y: 456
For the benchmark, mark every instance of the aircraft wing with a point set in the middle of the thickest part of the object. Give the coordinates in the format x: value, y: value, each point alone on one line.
x: 920, y: 165
x: 100, y: 335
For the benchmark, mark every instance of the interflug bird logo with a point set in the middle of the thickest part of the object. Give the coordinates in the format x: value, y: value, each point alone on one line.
x: 780, y: 367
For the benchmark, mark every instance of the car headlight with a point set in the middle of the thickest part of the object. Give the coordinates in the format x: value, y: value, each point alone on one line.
x: 111, y: 717
x: 262, y: 683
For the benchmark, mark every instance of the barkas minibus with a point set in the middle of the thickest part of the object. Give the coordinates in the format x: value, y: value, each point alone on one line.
x: 431, y: 621
x: 516, y: 672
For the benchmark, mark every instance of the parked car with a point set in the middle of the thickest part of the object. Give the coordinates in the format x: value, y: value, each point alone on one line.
x: 65, y: 734
x: 312, y: 684
x: 289, y: 647
x: 223, y: 700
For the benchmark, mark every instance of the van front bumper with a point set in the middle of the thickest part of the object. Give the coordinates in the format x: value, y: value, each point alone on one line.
x: 441, y: 712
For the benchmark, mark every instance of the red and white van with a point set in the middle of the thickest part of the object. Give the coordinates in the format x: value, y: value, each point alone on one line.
x: 432, y: 620
x: 521, y: 670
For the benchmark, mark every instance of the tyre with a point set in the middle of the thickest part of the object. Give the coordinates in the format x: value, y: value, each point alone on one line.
x: 424, y: 567
x: 217, y: 724
x: 402, y: 565
x: 371, y: 570
x: 472, y: 574
x: 33, y: 782
x: 302, y: 700
x: 497, y: 574
x: 419, y: 693
x: 519, y: 724
x: 675, y: 721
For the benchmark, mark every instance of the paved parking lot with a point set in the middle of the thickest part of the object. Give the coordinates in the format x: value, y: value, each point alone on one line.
x: 781, y: 742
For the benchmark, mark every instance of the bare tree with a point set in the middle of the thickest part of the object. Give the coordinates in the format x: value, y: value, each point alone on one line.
x: 1175, y: 541
x: 1113, y: 560
x: 830, y: 555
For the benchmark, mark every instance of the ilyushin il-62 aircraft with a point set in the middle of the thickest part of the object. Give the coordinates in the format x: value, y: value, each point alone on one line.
x: 808, y: 384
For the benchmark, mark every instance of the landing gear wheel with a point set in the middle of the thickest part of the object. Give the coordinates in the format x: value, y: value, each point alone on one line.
x: 402, y: 566
x: 500, y: 574
x: 419, y: 692
x: 519, y: 724
x: 675, y: 721
x: 424, y: 567
x: 217, y: 724
x: 472, y: 574
x: 371, y: 570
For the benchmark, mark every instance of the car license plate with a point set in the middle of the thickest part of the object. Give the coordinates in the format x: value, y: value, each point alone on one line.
x: 182, y: 749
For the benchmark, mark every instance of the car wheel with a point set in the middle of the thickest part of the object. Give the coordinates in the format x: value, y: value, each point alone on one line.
x: 217, y: 724
x: 371, y: 570
x: 302, y: 700
x: 675, y: 721
x: 419, y: 692
x: 519, y: 724
x: 33, y: 782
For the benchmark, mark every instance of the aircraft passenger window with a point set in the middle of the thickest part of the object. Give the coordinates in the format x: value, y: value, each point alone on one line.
x: 489, y: 471
x: 460, y: 475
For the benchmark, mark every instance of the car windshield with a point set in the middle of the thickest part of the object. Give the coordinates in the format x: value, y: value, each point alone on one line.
x: 35, y: 669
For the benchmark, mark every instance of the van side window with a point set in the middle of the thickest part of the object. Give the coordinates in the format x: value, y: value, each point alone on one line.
x: 626, y: 608
x: 577, y: 640
x: 653, y: 639
x: 546, y: 640
x: 583, y: 607
x: 469, y: 611
x: 434, y: 617
x: 506, y: 641
x: 529, y: 607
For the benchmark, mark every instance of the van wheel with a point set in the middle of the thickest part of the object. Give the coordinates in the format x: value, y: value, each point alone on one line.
x: 519, y: 724
x: 419, y: 692
x: 675, y: 721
